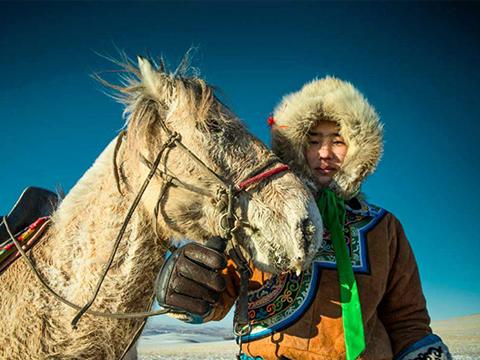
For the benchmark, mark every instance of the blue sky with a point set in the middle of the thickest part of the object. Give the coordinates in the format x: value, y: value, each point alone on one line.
x: 417, y: 63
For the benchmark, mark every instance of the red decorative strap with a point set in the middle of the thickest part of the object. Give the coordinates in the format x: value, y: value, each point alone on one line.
x: 262, y: 176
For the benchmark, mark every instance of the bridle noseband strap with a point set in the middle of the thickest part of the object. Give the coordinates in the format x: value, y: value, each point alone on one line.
x: 262, y: 176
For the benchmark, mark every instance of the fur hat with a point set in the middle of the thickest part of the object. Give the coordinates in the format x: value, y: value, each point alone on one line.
x: 334, y: 100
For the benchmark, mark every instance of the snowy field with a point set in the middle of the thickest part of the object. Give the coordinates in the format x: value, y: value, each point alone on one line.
x: 201, y: 347
x: 186, y: 346
x: 462, y: 335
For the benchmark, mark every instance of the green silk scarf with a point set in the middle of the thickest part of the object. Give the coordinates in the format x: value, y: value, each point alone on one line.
x: 332, y: 209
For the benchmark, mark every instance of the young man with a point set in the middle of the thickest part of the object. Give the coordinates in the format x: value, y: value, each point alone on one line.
x: 362, y: 297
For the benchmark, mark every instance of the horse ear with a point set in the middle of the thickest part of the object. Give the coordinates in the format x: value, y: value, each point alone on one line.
x: 150, y: 77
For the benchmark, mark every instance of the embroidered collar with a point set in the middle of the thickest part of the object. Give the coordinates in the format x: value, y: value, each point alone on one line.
x: 359, y: 206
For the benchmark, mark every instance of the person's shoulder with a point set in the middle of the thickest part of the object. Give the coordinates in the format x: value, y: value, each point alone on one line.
x: 360, y: 206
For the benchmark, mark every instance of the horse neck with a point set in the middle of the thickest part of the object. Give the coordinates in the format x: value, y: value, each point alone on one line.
x: 83, y: 232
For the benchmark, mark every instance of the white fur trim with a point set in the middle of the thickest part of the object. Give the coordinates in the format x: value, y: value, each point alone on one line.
x: 335, y: 100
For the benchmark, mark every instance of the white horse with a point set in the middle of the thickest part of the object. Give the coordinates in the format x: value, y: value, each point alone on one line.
x: 195, y: 149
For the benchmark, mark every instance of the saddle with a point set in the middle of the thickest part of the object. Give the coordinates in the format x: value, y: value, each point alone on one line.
x: 33, y: 204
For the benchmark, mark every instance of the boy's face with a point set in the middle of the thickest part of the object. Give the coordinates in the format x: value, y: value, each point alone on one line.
x: 326, y: 151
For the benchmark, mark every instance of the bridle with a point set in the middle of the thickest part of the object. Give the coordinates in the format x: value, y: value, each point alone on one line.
x: 225, y: 198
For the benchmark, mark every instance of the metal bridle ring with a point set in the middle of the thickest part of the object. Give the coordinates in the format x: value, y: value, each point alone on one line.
x: 242, y: 332
x: 236, y: 223
x: 224, y: 228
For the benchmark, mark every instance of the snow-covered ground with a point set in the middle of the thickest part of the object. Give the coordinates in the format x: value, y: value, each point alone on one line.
x: 462, y: 335
x: 176, y: 346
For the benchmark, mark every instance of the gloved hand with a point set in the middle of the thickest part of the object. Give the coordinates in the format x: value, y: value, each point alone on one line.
x: 190, y: 278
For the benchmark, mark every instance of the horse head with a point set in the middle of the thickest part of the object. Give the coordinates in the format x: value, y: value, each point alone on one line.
x: 199, y: 154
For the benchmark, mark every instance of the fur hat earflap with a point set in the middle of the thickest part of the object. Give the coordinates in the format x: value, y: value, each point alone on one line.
x: 334, y: 100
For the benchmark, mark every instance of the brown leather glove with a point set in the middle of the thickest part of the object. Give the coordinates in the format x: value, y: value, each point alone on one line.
x: 190, y: 279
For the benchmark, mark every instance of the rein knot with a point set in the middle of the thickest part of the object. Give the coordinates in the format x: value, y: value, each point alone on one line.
x: 173, y: 139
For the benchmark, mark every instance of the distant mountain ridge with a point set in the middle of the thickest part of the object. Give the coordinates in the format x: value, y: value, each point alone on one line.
x: 214, y: 331
x: 470, y: 322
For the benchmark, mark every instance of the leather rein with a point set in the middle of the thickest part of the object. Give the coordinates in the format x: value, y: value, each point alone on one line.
x: 225, y: 199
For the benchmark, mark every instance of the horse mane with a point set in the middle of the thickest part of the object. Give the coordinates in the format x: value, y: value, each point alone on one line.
x: 147, y: 88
